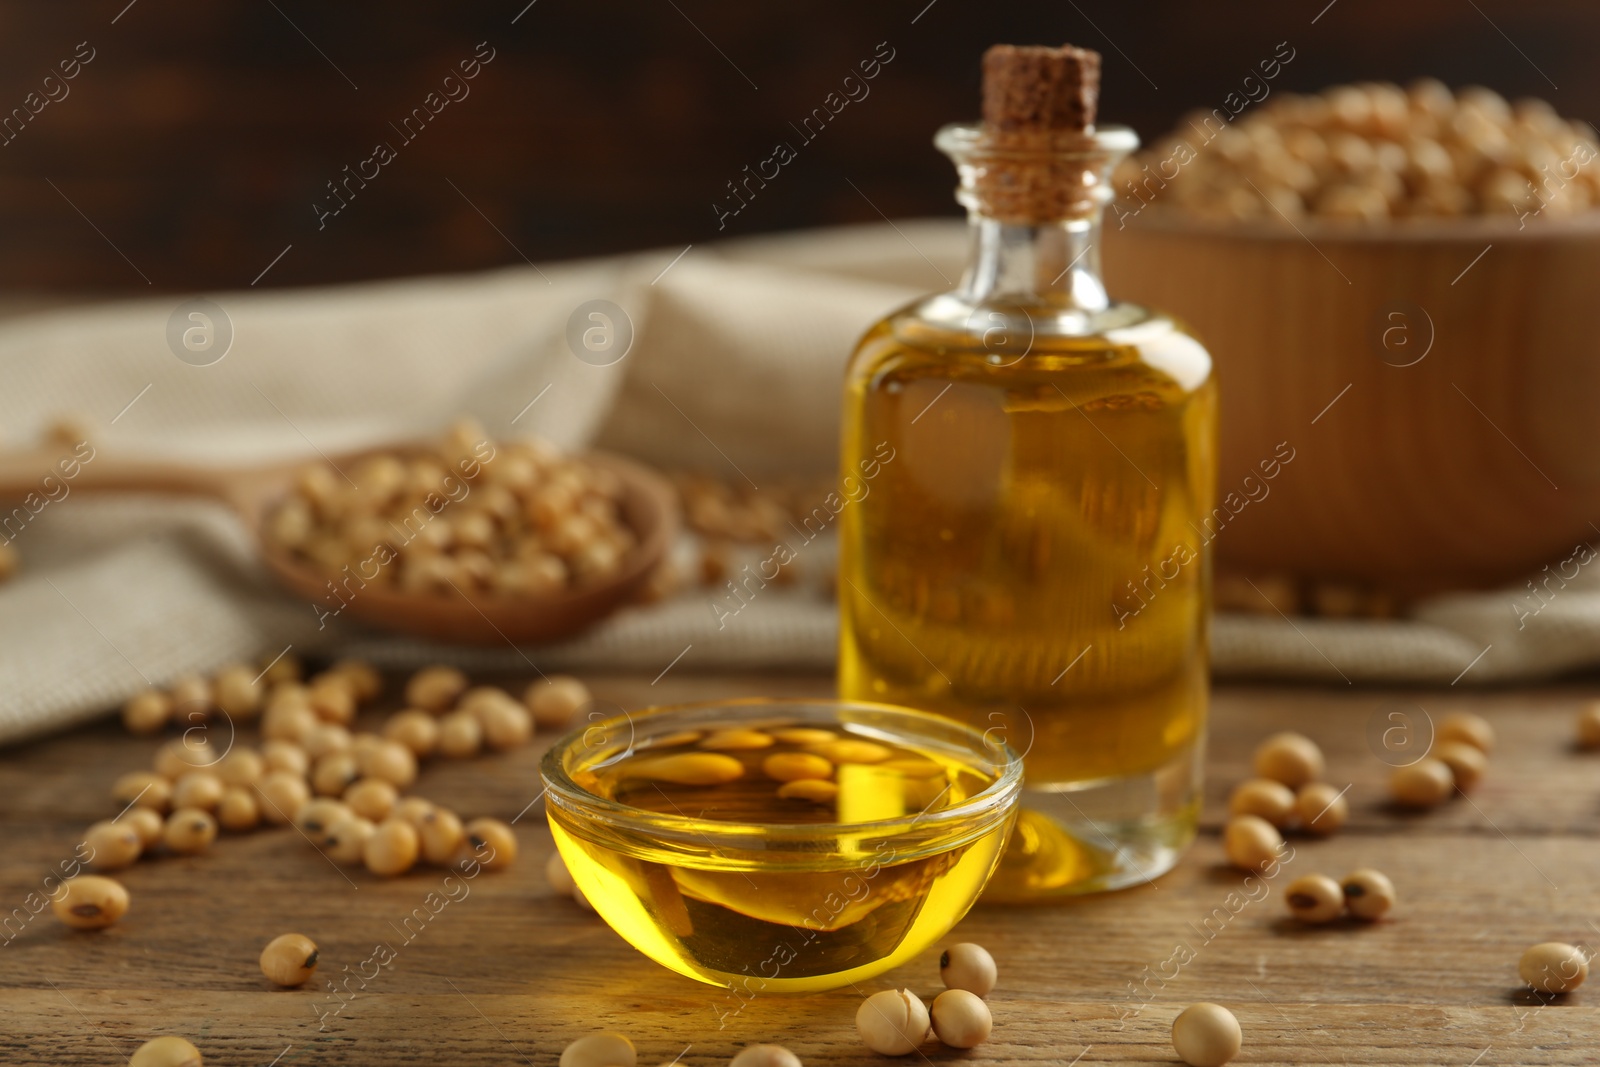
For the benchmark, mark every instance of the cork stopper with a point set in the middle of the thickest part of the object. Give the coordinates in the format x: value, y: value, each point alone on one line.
x: 1038, y: 89
x: 1032, y: 163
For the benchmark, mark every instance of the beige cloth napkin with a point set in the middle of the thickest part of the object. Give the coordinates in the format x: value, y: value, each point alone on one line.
x: 734, y: 368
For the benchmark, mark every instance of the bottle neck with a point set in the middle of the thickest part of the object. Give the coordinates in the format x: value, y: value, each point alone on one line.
x: 1035, y: 201
x: 1053, y: 264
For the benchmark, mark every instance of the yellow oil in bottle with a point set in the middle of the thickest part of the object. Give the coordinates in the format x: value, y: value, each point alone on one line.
x: 1033, y: 556
x: 741, y: 893
x: 1031, y: 559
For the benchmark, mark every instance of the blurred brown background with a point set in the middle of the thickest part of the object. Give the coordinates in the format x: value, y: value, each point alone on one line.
x: 200, y: 135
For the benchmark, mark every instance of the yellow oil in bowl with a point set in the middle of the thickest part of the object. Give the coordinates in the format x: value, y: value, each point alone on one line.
x: 781, y: 846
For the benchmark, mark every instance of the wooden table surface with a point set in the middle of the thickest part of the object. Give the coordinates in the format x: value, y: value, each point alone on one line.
x: 511, y: 972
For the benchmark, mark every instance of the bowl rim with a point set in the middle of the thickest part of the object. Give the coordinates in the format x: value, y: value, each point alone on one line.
x: 1000, y: 797
x: 1470, y: 230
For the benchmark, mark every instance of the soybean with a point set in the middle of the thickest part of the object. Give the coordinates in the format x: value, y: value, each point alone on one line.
x: 849, y: 750
x: 736, y: 740
x: 241, y: 766
x: 332, y: 699
x: 1322, y: 808
x: 804, y: 735
x: 282, y: 794
x: 283, y: 668
x: 372, y: 798
x: 189, y: 830
x: 290, y: 720
x: 1206, y: 1035
x: 435, y: 688
x: 413, y: 810
x: 1553, y: 967
x: 1290, y: 758
x: 795, y: 766
x: 284, y: 756
x: 326, y: 739
x: 1426, y: 783
x: 165, y: 1051
x: 460, y: 735
x: 690, y: 768
x: 480, y: 698
x: 764, y: 1056
x: 1467, y: 763
x: 1314, y: 898
x: 145, y: 822
x: 893, y: 1022
x: 237, y: 692
x: 1251, y: 842
x: 197, y: 789
x: 191, y: 699
x: 960, y: 1019
x: 1465, y: 726
x: 816, y: 790
x: 970, y: 967
x: 441, y: 834
x: 113, y: 845
x: 147, y: 712
x: 335, y: 773
x: 315, y: 816
x: 289, y: 960
x: 363, y: 678
x: 1264, y: 798
x: 415, y: 729
x: 238, y: 810
x: 345, y: 840
x: 182, y: 755
x: 1368, y: 894
x: 555, y: 701
x: 494, y: 836
x: 392, y: 849
x: 600, y: 1050
x: 505, y: 725
x: 145, y: 789
x: 392, y: 762
x: 90, y: 902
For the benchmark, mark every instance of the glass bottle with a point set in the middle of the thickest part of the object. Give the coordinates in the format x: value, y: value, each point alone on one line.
x: 1038, y: 463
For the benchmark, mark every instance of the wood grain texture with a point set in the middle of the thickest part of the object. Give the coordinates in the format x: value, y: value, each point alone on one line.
x: 510, y: 972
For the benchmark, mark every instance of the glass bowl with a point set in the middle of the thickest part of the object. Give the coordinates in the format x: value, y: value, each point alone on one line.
x: 780, y: 845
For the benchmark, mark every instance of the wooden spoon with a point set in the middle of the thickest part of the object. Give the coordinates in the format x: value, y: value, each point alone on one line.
x: 648, y: 505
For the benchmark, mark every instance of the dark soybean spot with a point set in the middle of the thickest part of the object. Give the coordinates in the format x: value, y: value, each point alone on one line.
x: 87, y: 911
x: 311, y: 961
x: 1355, y: 889
x: 477, y: 842
x: 1302, y: 900
x: 944, y: 960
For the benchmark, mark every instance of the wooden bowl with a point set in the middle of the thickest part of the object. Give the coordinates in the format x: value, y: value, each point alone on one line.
x: 649, y: 507
x: 1436, y: 382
